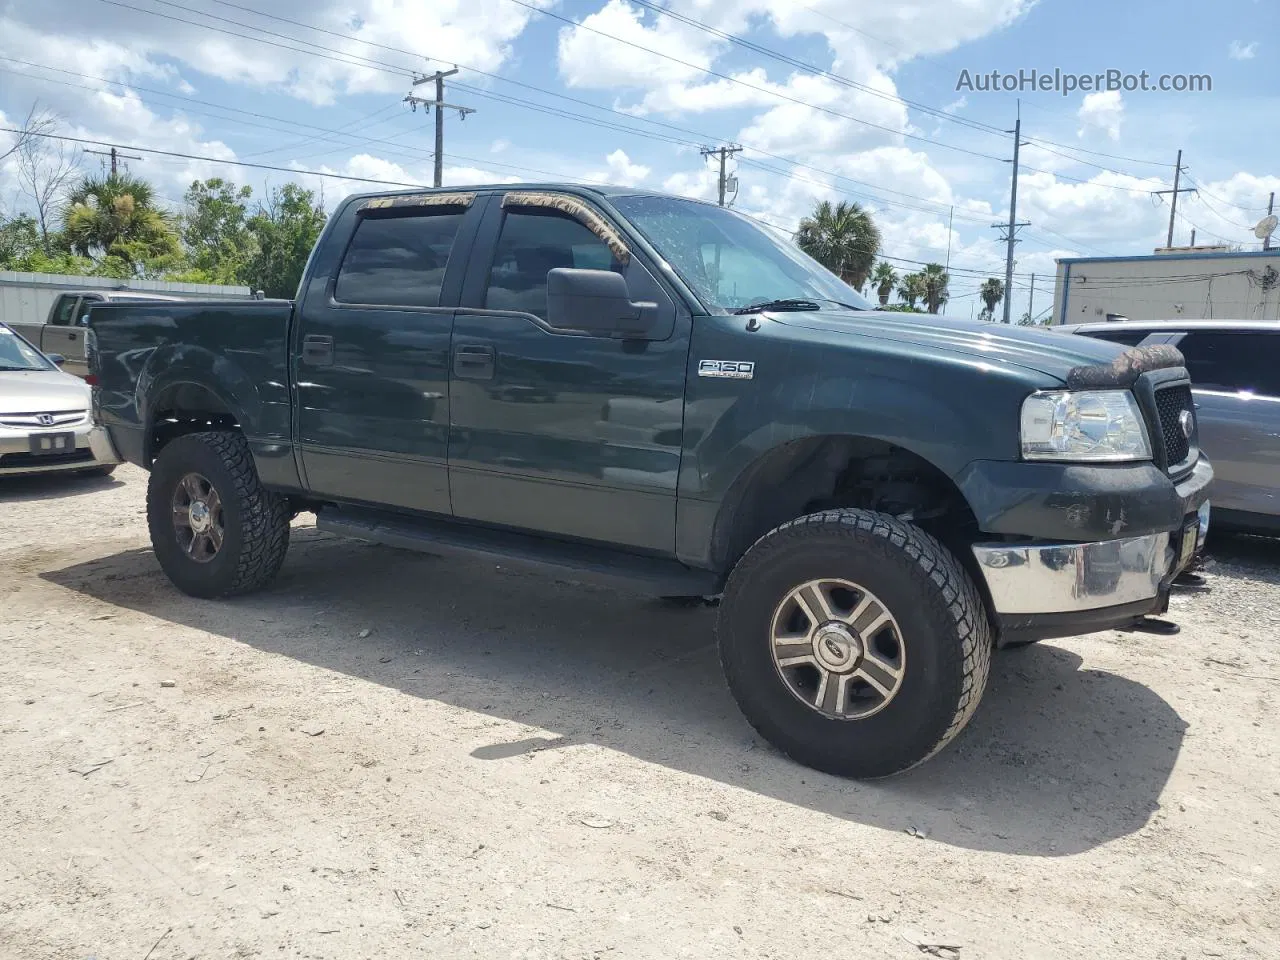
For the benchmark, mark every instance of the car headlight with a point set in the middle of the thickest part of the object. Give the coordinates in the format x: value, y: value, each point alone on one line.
x: 1096, y: 426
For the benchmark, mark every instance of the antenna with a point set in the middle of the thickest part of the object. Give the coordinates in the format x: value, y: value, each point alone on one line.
x: 1266, y: 226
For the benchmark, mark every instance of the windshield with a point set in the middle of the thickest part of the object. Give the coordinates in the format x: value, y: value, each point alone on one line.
x: 729, y: 260
x: 17, y: 354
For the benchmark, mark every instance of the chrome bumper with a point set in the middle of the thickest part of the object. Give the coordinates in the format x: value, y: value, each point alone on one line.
x: 1072, y: 577
x: 89, y: 437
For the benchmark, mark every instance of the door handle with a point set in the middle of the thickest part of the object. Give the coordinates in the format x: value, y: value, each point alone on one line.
x: 317, y: 350
x: 474, y: 361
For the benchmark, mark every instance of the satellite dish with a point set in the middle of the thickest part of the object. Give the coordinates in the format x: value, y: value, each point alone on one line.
x: 1266, y: 226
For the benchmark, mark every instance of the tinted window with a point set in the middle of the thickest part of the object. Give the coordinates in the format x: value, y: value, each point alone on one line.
x: 62, y: 316
x: 1234, y: 361
x: 398, y: 261
x: 1130, y: 338
x: 531, y: 246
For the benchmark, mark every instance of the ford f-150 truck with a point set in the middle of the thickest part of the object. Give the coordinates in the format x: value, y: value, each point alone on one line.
x: 660, y: 392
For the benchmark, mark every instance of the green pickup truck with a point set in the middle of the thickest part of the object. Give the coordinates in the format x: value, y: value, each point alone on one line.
x: 615, y: 385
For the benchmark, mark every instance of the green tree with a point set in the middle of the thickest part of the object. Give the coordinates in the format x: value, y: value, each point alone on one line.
x: 215, y: 230
x: 284, y: 228
x: 992, y: 292
x: 116, y: 218
x: 911, y: 289
x: 843, y: 238
x: 884, y: 279
x: 936, y: 281
x: 22, y: 249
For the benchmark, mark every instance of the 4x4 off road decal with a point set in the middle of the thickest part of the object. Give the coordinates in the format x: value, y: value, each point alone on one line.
x: 732, y: 369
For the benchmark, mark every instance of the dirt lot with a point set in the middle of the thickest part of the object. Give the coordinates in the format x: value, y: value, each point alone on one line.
x: 391, y: 755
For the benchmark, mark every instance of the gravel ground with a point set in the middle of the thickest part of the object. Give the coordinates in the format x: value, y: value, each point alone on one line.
x: 392, y: 755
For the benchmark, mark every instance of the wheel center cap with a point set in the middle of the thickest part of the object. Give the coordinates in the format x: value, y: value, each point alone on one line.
x: 199, y: 516
x: 836, y: 648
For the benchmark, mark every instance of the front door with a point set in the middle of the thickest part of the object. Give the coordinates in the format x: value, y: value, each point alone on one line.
x: 554, y: 432
x: 371, y: 359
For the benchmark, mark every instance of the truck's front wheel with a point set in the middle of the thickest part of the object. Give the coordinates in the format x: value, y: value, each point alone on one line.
x: 215, y: 530
x: 854, y: 642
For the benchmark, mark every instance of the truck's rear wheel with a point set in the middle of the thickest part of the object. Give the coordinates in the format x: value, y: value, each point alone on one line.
x: 854, y: 642
x: 215, y: 530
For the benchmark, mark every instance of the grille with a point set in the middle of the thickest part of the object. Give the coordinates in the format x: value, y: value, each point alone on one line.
x: 17, y: 460
x: 58, y: 418
x: 1170, y: 402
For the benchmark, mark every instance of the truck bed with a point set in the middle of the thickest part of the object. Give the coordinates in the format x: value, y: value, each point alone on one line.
x: 226, y: 358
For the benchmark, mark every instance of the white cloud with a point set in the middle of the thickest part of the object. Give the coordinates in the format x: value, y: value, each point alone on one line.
x: 622, y: 172
x: 1102, y: 111
x: 104, y: 41
x: 1242, y: 51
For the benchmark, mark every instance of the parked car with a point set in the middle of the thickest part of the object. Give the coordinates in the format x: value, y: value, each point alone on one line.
x: 880, y: 498
x: 45, y: 425
x: 63, y: 331
x: 1235, y: 379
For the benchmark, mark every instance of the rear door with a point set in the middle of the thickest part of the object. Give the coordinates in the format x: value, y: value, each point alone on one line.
x: 1235, y: 378
x: 559, y: 432
x: 68, y: 339
x: 371, y: 356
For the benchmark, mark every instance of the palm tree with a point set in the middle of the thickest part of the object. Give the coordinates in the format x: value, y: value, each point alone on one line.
x: 912, y: 288
x: 885, y: 278
x: 843, y: 238
x: 936, y: 281
x: 992, y: 293
x: 117, y: 216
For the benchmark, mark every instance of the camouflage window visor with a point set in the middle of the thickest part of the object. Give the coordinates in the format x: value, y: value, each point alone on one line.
x: 411, y: 200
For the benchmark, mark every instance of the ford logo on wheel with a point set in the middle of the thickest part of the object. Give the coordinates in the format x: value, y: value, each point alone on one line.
x: 1187, y: 423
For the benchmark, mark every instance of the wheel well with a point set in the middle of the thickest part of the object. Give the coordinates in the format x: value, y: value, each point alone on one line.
x: 182, y: 409
x: 826, y: 472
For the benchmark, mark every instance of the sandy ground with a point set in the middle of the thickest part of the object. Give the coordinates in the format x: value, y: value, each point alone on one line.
x: 391, y: 755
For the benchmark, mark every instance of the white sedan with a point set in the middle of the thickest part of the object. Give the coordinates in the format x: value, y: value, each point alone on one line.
x: 45, y: 420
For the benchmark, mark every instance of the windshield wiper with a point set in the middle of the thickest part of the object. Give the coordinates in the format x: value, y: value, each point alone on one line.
x: 793, y: 303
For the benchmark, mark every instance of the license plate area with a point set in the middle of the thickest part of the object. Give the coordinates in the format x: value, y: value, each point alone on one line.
x: 1190, y: 539
x: 52, y: 444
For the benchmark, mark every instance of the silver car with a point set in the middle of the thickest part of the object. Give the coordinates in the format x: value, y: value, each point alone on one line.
x: 1235, y: 379
x: 45, y: 420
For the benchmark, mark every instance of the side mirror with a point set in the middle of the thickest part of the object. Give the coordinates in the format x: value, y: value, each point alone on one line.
x: 595, y: 301
x: 57, y: 358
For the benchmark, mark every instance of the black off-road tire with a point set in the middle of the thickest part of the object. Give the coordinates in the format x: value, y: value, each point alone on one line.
x: 938, y: 609
x: 256, y: 521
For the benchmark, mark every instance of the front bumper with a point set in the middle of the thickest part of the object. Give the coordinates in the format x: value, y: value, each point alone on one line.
x: 93, y: 448
x: 1043, y: 590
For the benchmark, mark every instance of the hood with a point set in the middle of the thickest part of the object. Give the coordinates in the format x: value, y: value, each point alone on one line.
x: 1046, y: 351
x: 41, y: 391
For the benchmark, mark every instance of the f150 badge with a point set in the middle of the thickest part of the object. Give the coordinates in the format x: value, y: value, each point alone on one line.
x: 732, y: 369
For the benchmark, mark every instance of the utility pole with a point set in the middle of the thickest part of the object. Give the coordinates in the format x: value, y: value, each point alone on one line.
x: 1031, y: 301
x: 440, y: 106
x: 1173, y: 203
x: 950, y: 220
x: 1266, y: 241
x: 724, y: 153
x: 115, y: 157
x: 1010, y: 235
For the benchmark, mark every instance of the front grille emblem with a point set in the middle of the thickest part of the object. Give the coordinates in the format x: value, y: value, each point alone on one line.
x: 1187, y: 423
x: 45, y: 419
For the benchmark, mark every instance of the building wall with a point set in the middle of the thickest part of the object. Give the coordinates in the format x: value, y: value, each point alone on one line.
x: 27, y: 297
x: 1201, y: 286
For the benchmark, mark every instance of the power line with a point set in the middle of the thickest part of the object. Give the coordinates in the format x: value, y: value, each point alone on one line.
x: 441, y: 106
x: 751, y: 86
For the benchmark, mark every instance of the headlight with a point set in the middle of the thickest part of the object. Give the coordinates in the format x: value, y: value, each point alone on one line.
x: 1088, y: 425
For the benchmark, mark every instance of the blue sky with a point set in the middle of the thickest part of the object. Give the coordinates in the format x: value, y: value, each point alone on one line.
x: 884, y: 125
